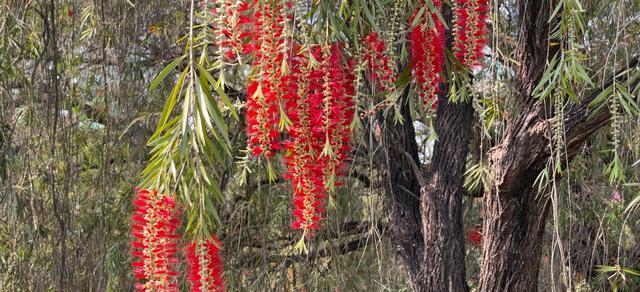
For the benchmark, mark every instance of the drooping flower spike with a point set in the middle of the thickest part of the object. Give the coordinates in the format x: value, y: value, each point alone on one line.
x: 306, y: 137
x: 270, y: 51
x: 205, y: 266
x: 319, y: 134
x: 154, y: 245
x: 426, y: 42
x: 306, y: 95
x: 378, y: 62
x: 230, y: 23
x: 338, y: 112
x: 469, y: 31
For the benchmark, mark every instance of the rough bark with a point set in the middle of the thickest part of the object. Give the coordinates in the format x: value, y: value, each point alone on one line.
x: 441, y: 201
x: 426, y: 216
x: 441, y: 195
x: 515, y: 214
x: 402, y: 193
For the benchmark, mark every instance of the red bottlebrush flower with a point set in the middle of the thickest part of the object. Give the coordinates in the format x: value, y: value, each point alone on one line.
x: 427, y: 56
x: 229, y: 22
x: 316, y: 99
x: 474, y: 235
x: 379, y: 64
x: 320, y: 111
x: 338, y: 113
x: 469, y: 30
x: 205, y: 266
x: 267, y: 87
x: 154, y: 224
x: 304, y: 168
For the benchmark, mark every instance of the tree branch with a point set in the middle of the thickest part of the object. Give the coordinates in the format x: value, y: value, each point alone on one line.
x: 581, y: 121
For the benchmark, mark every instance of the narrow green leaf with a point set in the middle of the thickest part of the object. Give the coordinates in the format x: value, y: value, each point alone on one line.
x: 170, y: 104
x: 163, y: 74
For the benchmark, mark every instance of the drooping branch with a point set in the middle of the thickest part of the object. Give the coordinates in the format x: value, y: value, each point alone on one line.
x: 581, y: 121
x: 528, y: 149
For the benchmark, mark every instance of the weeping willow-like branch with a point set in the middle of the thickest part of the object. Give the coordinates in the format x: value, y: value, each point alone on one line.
x: 192, y: 138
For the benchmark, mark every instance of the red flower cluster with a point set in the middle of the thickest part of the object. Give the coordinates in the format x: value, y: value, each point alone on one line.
x: 266, y: 85
x: 469, y: 30
x: 154, y: 224
x: 427, y: 56
x: 319, y: 135
x: 338, y: 112
x: 379, y: 65
x: 308, y: 90
x: 305, y: 145
x: 205, y: 266
x: 474, y: 235
x: 230, y: 22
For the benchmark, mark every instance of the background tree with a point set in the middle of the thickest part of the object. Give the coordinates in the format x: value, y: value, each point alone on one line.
x: 528, y: 136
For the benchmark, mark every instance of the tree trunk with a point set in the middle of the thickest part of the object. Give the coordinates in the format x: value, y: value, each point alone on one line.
x: 441, y: 200
x: 402, y: 192
x: 427, y: 213
x: 441, y: 196
x: 513, y: 241
x: 515, y: 213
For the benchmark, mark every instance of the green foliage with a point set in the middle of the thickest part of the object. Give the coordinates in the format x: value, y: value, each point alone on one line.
x: 66, y: 187
x: 191, y: 142
x: 476, y: 177
x: 618, y: 276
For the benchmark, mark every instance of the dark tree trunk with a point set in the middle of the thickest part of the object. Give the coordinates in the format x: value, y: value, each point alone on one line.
x: 441, y: 196
x: 427, y: 213
x: 441, y: 200
x: 513, y: 241
x: 403, y: 192
x: 515, y: 213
